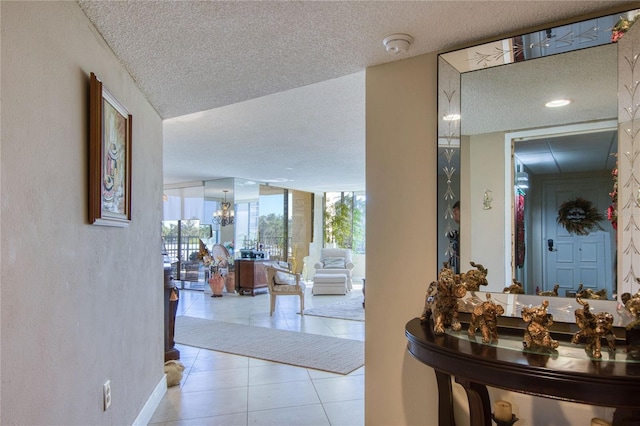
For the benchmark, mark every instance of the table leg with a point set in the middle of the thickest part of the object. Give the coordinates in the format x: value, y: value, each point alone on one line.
x: 445, y: 400
x: 479, y: 403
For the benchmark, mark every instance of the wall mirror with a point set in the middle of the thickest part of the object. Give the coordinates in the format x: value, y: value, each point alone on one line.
x: 526, y: 175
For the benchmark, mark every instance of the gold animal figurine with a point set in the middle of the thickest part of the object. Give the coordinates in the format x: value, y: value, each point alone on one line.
x: 593, y: 327
x: 443, y: 307
x: 536, y: 334
x: 429, y: 301
x: 588, y: 293
x: 485, y: 317
x: 552, y: 293
x: 515, y: 288
x: 632, y: 305
x: 474, y: 278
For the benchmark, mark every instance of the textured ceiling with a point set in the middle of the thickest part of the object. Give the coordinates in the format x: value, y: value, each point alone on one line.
x: 274, y: 91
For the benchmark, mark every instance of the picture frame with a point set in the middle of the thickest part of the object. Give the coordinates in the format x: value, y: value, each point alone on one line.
x: 110, y: 129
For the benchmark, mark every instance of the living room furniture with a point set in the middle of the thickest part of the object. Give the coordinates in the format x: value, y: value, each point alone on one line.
x: 284, y: 283
x: 251, y: 275
x: 569, y: 375
x: 329, y: 284
x: 335, y: 261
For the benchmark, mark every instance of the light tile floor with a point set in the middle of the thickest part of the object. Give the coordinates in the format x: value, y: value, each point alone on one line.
x: 224, y: 389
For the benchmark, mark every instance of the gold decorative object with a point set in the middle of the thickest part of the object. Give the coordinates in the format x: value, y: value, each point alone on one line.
x: 536, y: 334
x: 485, y: 317
x: 474, y: 278
x: 593, y: 327
x: 551, y: 293
x: 588, y: 293
x: 515, y: 288
x: 632, y: 305
x: 442, y: 301
x: 429, y: 301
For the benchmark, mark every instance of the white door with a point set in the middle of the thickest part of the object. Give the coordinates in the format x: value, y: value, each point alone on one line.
x: 570, y: 259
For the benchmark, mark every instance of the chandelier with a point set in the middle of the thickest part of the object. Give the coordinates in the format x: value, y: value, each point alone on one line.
x: 224, y: 215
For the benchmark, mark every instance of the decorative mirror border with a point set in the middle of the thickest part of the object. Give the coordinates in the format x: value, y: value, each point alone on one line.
x: 628, y: 163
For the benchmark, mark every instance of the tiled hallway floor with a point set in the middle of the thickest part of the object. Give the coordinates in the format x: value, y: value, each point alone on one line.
x: 224, y: 389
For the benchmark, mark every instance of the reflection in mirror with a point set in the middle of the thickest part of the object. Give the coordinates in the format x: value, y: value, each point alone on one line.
x: 273, y: 235
x: 247, y: 194
x: 550, y: 174
x: 214, y: 196
x: 494, y: 133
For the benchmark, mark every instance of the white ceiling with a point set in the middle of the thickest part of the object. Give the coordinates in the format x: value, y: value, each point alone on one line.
x: 274, y: 90
x: 507, y: 99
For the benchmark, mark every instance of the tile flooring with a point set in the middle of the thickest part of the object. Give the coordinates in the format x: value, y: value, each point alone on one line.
x: 225, y: 389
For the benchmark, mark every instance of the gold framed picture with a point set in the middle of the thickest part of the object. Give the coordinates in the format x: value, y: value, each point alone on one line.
x: 109, y: 158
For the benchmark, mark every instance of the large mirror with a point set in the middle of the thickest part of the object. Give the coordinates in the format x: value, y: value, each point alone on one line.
x: 525, y: 189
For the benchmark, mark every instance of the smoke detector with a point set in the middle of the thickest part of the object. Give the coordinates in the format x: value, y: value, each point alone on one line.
x: 397, y: 43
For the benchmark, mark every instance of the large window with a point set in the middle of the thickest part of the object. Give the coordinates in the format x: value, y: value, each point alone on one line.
x: 344, y: 220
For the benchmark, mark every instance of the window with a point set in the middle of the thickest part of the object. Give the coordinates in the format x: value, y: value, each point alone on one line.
x: 344, y: 220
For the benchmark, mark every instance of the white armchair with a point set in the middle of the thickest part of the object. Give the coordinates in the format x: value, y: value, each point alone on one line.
x: 336, y: 261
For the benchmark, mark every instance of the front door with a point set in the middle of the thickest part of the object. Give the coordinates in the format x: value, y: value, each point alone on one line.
x: 571, y: 259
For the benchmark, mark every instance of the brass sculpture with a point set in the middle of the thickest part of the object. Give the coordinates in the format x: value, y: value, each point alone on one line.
x: 429, y: 301
x: 442, y: 306
x: 588, y: 293
x: 632, y: 303
x: 593, y: 327
x: 485, y: 317
x: 632, y: 306
x: 515, y: 288
x: 474, y: 278
x: 552, y: 293
x: 536, y: 334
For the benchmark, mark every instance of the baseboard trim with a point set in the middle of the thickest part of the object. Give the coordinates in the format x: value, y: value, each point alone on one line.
x: 152, y: 403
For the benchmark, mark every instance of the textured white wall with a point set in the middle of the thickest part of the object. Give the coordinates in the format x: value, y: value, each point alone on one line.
x: 80, y: 303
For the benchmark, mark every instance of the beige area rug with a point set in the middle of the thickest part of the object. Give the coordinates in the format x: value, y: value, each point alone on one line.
x: 314, y: 351
x: 350, y: 310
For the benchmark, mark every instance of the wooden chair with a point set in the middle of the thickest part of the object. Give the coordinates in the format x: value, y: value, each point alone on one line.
x: 284, y: 283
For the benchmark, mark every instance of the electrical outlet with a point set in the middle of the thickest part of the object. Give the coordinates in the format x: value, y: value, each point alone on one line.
x: 106, y: 394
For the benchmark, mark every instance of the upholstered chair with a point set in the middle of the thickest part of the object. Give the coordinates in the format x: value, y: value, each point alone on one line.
x: 336, y: 261
x: 284, y: 283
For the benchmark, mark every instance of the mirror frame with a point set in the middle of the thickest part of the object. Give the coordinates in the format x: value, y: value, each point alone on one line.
x: 449, y: 135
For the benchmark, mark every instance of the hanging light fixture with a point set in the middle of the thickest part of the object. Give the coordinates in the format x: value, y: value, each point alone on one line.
x: 224, y: 215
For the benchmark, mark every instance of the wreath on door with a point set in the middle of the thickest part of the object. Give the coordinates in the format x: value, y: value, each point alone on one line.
x: 579, y: 216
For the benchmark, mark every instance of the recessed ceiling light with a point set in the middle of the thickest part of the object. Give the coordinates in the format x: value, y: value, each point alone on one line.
x: 451, y: 117
x: 557, y: 103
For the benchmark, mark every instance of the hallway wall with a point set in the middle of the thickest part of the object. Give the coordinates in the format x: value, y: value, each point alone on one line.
x: 81, y: 304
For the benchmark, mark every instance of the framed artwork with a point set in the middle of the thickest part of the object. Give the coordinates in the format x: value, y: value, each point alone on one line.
x: 109, y: 158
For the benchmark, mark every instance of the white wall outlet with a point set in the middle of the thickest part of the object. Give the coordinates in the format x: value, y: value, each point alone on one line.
x: 106, y: 394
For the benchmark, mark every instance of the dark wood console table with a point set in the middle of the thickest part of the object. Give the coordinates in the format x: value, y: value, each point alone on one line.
x: 250, y: 275
x: 613, y: 381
